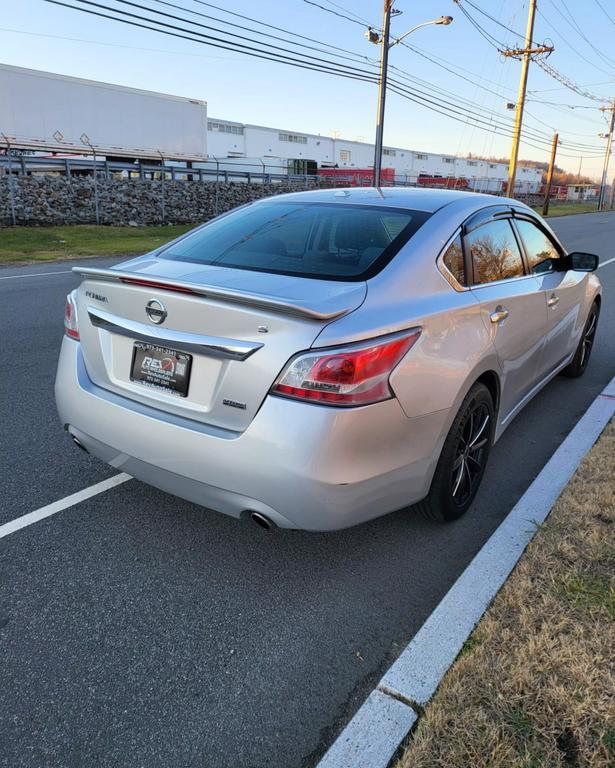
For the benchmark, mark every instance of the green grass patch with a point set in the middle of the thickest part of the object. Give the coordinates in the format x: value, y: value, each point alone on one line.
x: 568, y: 209
x: 588, y: 591
x: 19, y: 244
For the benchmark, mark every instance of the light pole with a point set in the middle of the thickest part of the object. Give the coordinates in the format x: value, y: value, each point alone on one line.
x: 383, y: 40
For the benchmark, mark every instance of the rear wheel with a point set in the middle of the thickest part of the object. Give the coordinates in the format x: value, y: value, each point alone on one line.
x: 463, y: 459
x: 581, y: 357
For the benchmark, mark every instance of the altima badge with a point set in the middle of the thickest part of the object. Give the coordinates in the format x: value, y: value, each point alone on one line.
x: 156, y: 311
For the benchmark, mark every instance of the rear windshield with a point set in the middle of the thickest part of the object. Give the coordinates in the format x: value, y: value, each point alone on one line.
x: 321, y: 240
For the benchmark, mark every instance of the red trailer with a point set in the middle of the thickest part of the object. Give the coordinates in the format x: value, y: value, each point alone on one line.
x: 439, y: 182
x: 356, y: 177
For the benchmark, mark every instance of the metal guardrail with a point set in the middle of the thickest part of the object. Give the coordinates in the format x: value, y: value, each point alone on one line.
x: 108, y: 169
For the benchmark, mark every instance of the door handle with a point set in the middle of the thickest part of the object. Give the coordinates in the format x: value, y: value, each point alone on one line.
x: 553, y: 300
x: 500, y: 313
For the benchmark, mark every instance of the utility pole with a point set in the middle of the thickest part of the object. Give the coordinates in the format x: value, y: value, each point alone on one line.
x: 545, y: 206
x: 524, y: 54
x: 384, y: 41
x: 382, y: 89
x: 607, y: 155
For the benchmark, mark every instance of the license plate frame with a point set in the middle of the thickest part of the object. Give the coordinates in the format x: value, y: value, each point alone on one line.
x: 161, y: 368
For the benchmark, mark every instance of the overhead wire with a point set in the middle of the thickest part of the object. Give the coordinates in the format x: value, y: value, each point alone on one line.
x: 449, y: 108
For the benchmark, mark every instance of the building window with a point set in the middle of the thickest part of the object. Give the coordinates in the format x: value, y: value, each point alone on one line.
x: 390, y: 152
x: 224, y: 128
x: 447, y: 160
x: 472, y: 162
x: 293, y: 138
x: 491, y: 165
x: 422, y: 157
x: 344, y: 155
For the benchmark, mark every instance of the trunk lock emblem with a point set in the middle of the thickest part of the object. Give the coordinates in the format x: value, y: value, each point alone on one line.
x: 156, y: 311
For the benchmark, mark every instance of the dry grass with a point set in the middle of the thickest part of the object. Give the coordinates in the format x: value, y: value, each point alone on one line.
x: 534, y: 686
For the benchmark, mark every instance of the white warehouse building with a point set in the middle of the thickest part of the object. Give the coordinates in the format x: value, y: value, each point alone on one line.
x: 276, y: 150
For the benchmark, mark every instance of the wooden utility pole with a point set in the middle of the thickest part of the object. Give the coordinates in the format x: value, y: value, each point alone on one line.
x: 523, y: 53
x: 607, y: 156
x: 382, y: 90
x: 545, y: 205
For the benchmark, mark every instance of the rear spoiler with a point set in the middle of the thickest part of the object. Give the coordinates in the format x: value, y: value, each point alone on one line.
x: 271, y: 303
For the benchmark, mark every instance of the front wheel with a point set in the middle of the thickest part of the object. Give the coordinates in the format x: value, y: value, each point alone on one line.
x: 463, y: 459
x: 581, y: 357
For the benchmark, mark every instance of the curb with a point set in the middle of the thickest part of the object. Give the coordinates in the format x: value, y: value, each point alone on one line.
x: 391, y: 710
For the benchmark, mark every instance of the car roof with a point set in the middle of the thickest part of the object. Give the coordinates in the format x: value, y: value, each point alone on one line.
x: 414, y: 198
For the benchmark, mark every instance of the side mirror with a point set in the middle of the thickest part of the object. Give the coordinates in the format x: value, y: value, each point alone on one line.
x: 583, y: 262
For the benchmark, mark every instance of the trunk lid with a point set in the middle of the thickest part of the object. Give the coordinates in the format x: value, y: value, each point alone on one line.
x: 239, y: 326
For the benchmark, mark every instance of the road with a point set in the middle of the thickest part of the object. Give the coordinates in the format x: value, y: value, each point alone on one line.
x: 139, y: 629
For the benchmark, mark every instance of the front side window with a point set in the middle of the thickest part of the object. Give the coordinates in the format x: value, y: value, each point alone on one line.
x: 494, y: 251
x: 321, y: 240
x: 539, y: 247
x: 453, y: 261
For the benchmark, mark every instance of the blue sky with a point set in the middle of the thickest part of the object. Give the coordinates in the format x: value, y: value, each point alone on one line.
x: 39, y: 35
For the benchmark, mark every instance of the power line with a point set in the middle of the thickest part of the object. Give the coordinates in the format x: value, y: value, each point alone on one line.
x: 610, y: 18
x: 569, y: 44
x: 335, y: 13
x: 202, y: 26
x: 341, y: 8
x: 557, y: 75
x: 572, y: 23
x: 483, y: 125
x: 541, y: 62
x: 489, y: 16
x: 269, y: 26
x: 355, y: 57
x: 449, y: 109
x: 185, y: 34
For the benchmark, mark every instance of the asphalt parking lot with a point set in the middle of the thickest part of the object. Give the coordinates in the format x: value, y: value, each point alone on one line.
x: 140, y: 630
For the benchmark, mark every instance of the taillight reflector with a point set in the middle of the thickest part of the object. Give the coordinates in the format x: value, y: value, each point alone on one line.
x: 71, y: 326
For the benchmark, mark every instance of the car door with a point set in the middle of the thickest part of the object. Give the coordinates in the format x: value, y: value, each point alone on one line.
x: 562, y: 291
x: 513, y: 306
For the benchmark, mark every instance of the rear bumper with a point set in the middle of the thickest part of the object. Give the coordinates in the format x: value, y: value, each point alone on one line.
x: 302, y: 465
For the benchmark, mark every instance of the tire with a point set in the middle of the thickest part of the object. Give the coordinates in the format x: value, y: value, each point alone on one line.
x: 460, y: 468
x: 578, y: 366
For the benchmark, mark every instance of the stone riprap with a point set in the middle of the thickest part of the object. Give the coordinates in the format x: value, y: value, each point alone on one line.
x: 53, y: 200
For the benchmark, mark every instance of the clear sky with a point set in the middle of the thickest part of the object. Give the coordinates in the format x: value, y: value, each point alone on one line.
x: 467, y: 71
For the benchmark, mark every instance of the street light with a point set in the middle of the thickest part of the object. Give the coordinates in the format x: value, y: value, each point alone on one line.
x: 383, y: 40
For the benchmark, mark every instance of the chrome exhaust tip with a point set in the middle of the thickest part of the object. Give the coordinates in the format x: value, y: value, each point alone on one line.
x: 261, y: 521
x: 79, y: 444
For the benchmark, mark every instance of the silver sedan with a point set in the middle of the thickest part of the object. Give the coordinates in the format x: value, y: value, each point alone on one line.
x: 317, y: 359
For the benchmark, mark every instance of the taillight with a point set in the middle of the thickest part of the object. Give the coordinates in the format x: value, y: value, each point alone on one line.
x: 353, y: 375
x: 71, y: 326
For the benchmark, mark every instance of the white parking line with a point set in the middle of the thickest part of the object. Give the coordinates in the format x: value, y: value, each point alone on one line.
x: 65, y: 503
x: 604, y: 263
x: 38, y: 274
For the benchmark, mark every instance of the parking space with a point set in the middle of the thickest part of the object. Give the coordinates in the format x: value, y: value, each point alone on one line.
x: 139, y: 629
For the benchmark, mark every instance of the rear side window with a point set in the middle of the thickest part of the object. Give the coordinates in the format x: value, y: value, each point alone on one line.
x: 495, y: 253
x: 539, y: 247
x: 321, y: 240
x: 453, y: 261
